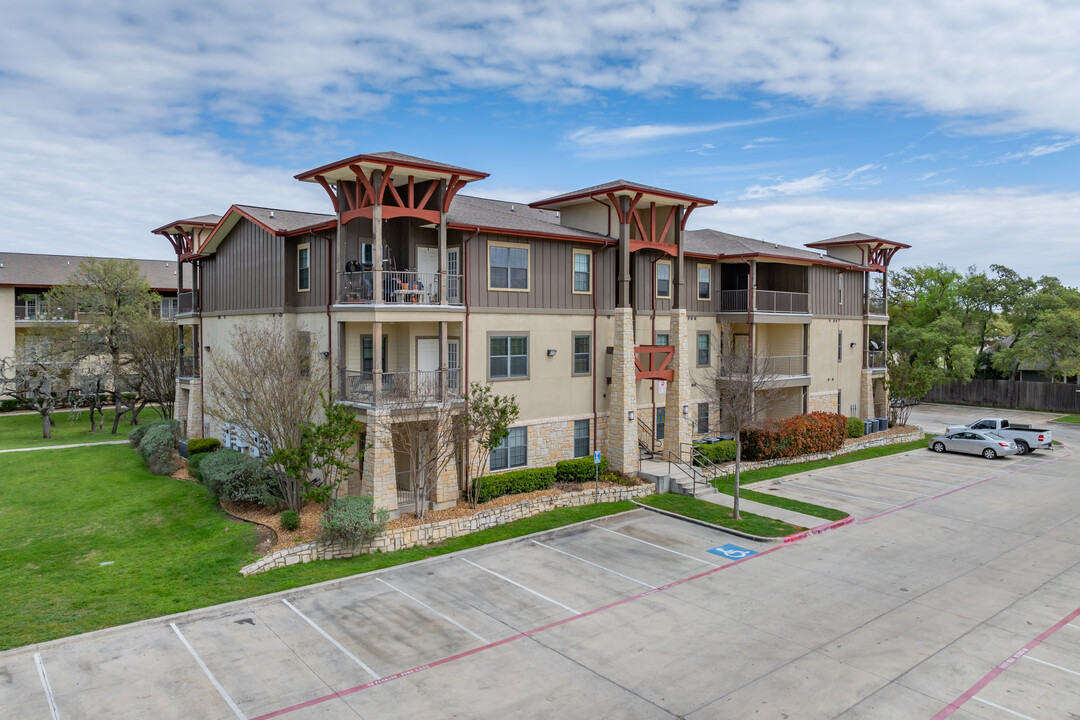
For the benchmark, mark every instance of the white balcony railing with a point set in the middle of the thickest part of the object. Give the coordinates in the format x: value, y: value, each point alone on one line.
x: 419, y: 288
x: 40, y: 313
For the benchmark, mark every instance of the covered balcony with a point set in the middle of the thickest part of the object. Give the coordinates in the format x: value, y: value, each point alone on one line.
x: 395, y: 388
x: 187, y: 303
x: 781, y: 289
x: 398, y: 286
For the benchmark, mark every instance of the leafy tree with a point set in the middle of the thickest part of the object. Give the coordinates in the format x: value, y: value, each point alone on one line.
x: 485, y: 425
x: 907, y: 381
x: 153, y: 352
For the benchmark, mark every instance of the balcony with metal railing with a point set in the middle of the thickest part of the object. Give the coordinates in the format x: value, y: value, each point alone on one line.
x: 876, y: 306
x: 187, y: 303
x: 43, y: 314
x: 765, y: 301
x: 412, y: 388
x: 875, y: 360
x: 189, y: 366
x: 398, y: 287
x: 769, y: 366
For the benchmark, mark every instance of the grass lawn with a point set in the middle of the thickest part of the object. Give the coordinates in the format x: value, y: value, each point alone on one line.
x: 19, y: 431
x: 719, y: 515
x: 1074, y: 418
x: 64, y: 512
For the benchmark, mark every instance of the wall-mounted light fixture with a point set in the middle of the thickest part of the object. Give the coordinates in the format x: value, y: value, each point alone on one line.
x: 852, y: 345
x: 685, y: 409
x: 630, y: 415
x: 206, y: 348
x: 551, y: 352
x: 325, y: 354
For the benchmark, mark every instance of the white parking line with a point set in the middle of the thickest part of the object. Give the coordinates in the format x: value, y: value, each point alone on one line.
x: 517, y: 584
x: 595, y: 565
x: 1077, y: 627
x: 659, y: 547
x: 213, y: 680
x: 830, y: 492
x: 950, y: 473
x: 336, y: 644
x: 45, y: 684
x: 911, y: 479
x: 450, y: 620
x: 1011, y: 712
x: 952, y: 464
x: 1043, y: 662
x: 864, y: 484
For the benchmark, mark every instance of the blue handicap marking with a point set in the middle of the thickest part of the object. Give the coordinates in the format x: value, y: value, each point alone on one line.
x: 734, y: 552
x: 596, y: 457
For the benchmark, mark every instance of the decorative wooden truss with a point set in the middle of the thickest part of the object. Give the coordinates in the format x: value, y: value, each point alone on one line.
x: 879, y: 255
x: 182, y: 241
x: 656, y: 353
x: 648, y: 238
x: 361, y: 202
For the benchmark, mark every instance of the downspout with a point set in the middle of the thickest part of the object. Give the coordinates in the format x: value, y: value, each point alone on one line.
x: 329, y: 321
x: 468, y: 309
x: 197, y: 296
x: 595, y: 344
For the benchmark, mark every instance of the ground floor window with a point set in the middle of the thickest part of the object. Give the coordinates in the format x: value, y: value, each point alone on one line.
x: 703, y: 417
x: 513, y: 452
x: 660, y: 412
x: 581, y: 438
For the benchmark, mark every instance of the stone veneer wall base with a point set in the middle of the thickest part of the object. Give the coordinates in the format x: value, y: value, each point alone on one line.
x: 443, y: 530
x: 915, y: 433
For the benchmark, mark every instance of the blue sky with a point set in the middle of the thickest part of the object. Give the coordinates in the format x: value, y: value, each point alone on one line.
x: 953, y: 127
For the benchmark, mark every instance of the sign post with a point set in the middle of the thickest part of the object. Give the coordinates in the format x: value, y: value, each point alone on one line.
x: 596, y: 471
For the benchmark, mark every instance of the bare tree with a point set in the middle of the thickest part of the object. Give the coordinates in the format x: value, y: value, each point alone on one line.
x: 153, y: 360
x: 269, y: 384
x: 483, y: 427
x: 742, y: 387
x: 422, y: 424
x: 38, y: 375
x: 92, y: 379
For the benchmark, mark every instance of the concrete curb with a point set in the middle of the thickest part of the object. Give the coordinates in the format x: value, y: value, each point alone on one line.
x: 720, y: 528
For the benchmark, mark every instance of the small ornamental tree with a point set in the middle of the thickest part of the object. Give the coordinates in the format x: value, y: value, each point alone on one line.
x: 485, y: 425
x: 38, y: 377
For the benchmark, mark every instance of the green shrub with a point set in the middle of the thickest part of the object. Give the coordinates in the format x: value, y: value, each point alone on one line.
x: 157, y: 445
x: 855, y: 427
x: 579, y: 470
x: 515, y: 481
x: 723, y: 451
x: 814, y: 432
x: 10, y: 405
x: 290, y: 519
x: 235, y: 477
x: 349, y: 521
x: 202, y: 445
x: 194, y: 465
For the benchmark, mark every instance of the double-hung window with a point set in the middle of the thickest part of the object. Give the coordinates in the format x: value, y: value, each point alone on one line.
x: 581, y: 438
x: 513, y: 451
x: 508, y: 356
x: 582, y: 271
x: 303, y: 267
x: 508, y: 266
x: 582, y: 354
x: 663, y: 279
x: 703, y: 355
x: 703, y: 417
x: 704, y: 282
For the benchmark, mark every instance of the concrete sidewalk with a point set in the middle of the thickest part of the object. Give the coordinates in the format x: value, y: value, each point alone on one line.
x: 770, y: 511
x: 61, y: 447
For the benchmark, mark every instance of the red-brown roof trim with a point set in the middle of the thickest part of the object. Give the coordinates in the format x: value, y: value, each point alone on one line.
x: 530, y: 233
x: 862, y: 241
x: 604, y: 190
x: 377, y: 160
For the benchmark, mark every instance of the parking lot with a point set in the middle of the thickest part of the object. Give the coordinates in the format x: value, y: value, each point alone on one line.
x: 956, y: 593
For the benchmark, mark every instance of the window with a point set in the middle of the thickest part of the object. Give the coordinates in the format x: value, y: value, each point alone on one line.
x: 508, y: 356
x: 840, y: 286
x: 581, y: 438
x: 703, y: 417
x: 582, y: 354
x: 839, y: 345
x: 582, y: 271
x: 704, y: 282
x: 660, y: 413
x: 367, y: 353
x: 169, y: 306
x: 513, y: 451
x: 663, y: 279
x: 704, y: 357
x: 303, y: 267
x: 508, y: 266
x: 662, y: 339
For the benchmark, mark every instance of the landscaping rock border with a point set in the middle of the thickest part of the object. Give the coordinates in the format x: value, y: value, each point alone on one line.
x: 867, y: 441
x: 443, y: 530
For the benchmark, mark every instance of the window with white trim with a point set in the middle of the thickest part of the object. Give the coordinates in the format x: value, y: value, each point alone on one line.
x: 508, y: 356
x: 663, y: 279
x: 303, y: 267
x: 704, y: 282
x: 513, y: 451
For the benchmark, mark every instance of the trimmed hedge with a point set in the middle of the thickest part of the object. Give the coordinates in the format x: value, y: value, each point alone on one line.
x: 157, y: 445
x: 194, y: 465
x: 290, y: 519
x: 855, y: 427
x: 236, y: 477
x: 202, y: 445
x: 352, y: 519
x: 579, y: 469
x: 515, y: 481
x: 723, y: 451
x: 814, y: 432
x: 11, y: 405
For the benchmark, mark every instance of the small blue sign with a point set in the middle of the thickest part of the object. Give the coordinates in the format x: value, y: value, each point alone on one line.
x: 596, y: 457
x: 733, y: 552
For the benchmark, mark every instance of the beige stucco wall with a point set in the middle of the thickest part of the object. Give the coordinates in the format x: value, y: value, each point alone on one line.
x: 7, y: 322
x: 828, y: 375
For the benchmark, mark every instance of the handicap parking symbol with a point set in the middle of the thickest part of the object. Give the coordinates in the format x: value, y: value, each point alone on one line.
x: 733, y: 552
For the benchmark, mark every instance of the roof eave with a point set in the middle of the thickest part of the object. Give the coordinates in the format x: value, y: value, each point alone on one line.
x: 310, y: 175
x: 570, y: 198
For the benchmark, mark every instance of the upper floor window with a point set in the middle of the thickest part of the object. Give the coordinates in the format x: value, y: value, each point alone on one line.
x: 704, y: 282
x: 508, y: 356
x: 303, y: 267
x: 508, y: 266
x: 582, y: 354
x: 169, y: 306
x: 663, y: 279
x: 703, y: 417
x: 703, y: 355
x: 582, y: 271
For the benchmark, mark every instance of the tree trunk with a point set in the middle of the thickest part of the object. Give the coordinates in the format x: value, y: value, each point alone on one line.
x: 738, y: 467
x: 46, y: 425
x: 116, y: 412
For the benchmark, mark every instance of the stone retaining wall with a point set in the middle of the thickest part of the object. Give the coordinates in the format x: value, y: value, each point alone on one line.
x: 868, y: 441
x: 442, y: 530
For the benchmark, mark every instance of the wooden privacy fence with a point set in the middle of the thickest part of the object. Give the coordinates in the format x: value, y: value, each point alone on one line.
x: 1051, y: 397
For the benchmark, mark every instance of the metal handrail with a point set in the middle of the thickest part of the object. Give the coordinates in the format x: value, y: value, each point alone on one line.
x: 187, y: 302
x: 422, y: 385
x: 398, y: 286
x: 782, y: 301
x: 875, y: 359
x: 783, y: 365
x: 189, y: 366
x: 876, y: 306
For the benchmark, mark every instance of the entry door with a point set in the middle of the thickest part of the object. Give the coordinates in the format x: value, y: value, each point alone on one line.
x: 427, y: 264
x: 427, y: 354
x: 453, y: 271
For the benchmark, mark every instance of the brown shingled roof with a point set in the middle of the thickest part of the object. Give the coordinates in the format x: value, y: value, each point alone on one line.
x: 468, y: 212
x: 714, y: 242
x: 616, y: 186
x: 33, y: 270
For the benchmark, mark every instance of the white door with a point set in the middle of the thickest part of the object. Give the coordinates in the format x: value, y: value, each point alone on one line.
x: 453, y: 271
x: 427, y: 265
x: 427, y: 354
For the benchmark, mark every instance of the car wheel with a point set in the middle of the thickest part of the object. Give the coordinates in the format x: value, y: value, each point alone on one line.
x: 989, y: 453
x: 939, y: 447
x: 1022, y: 448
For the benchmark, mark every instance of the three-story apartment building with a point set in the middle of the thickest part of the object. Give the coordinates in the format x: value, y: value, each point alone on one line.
x: 596, y: 308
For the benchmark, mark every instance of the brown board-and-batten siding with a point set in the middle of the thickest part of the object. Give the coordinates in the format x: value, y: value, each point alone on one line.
x: 246, y: 272
x: 316, y: 296
x: 825, y: 292
x: 551, y: 275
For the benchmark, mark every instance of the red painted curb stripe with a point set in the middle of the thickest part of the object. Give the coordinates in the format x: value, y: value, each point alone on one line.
x: 820, y: 529
x: 986, y: 679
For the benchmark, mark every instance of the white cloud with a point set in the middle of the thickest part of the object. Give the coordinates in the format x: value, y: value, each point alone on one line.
x: 1016, y: 228
x: 815, y: 183
x: 758, y: 142
x: 1040, y: 150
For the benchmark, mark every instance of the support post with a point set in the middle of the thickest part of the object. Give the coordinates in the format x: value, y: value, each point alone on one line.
x: 678, y: 300
x: 379, y: 478
x: 376, y: 361
x: 624, y: 254
x: 676, y: 427
x: 377, y: 244
x: 622, y: 424
x: 443, y: 286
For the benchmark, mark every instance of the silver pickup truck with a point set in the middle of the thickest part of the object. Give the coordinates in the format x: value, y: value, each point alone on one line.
x: 1027, y: 438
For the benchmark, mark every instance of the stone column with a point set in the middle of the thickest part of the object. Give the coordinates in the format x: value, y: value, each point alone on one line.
x: 444, y: 493
x: 379, y: 478
x: 866, y: 395
x: 194, y: 409
x: 622, y: 449
x: 180, y: 407
x: 677, y: 429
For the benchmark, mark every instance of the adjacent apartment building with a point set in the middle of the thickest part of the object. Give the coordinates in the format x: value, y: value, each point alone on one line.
x: 596, y: 308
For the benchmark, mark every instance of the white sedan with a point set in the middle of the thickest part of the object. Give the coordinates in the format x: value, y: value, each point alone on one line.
x: 987, y: 444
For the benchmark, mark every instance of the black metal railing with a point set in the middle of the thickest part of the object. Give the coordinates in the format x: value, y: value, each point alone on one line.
x: 42, y: 313
x: 187, y: 303
x: 876, y: 306
x: 766, y: 301
x: 767, y: 365
x: 875, y: 359
x: 422, y: 387
x: 418, y: 288
x: 189, y: 366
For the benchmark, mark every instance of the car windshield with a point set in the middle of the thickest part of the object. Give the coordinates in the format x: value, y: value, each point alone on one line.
x: 994, y: 436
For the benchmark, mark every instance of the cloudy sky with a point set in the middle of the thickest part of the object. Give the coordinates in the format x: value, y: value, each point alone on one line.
x: 951, y: 126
